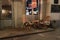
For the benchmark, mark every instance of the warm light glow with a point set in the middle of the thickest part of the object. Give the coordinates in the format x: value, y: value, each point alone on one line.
x: 34, y: 4
x: 3, y: 11
x: 33, y: 0
x: 41, y: 1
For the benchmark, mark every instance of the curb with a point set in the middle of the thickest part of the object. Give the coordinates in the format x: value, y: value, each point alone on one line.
x: 20, y: 35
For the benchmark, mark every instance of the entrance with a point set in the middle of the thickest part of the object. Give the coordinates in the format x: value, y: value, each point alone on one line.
x: 32, y: 10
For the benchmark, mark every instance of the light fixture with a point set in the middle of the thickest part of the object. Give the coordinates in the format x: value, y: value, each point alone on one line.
x: 3, y: 11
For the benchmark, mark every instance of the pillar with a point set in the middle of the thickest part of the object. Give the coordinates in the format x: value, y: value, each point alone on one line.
x: 41, y: 9
x: 19, y: 12
x: 48, y: 8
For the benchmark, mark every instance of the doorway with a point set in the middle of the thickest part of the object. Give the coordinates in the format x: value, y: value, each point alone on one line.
x: 32, y: 10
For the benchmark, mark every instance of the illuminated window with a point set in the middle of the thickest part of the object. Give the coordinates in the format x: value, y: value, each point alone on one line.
x: 32, y: 6
x: 6, y: 10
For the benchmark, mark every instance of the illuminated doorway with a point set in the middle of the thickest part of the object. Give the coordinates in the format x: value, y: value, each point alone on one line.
x: 6, y: 14
x: 32, y: 10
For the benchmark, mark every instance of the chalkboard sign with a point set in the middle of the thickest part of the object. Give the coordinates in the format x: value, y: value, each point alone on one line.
x: 55, y: 8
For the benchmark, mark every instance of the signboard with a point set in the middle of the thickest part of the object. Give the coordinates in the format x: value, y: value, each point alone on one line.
x: 55, y: 8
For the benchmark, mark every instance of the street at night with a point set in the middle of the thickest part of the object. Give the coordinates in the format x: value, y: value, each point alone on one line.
x: 53, y: 35
x: 29, y: 19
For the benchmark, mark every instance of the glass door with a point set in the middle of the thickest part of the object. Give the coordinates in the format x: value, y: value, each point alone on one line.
x: 32, y: 10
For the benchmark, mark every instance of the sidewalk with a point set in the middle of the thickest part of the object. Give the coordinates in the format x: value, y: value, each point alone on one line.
x: 14, y: 32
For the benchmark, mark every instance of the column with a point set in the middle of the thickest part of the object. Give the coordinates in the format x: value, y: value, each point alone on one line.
x: 41, y: 9
x: 19, y: 12
x: 48, y: 8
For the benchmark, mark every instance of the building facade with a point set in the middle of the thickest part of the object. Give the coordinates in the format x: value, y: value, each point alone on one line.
x: 18, y: 12
x: 55, y: 11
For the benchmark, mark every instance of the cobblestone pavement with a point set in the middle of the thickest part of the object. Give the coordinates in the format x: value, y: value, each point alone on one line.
x: 54, y: 35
